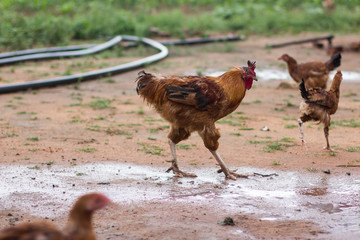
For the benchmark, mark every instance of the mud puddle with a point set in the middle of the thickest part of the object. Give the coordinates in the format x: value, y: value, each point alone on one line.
x: 332, y: 201
x: 276, y: 74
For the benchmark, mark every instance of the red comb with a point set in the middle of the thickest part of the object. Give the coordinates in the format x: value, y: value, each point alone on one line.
x: 251, y: 64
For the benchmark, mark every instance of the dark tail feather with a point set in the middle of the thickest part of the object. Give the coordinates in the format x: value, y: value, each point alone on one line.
x: 304, y: 93
x: 334, y: 61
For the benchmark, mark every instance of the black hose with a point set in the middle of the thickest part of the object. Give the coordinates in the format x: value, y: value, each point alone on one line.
x: 44, y: 50
x: 80, y: 50
x: 77, y: 53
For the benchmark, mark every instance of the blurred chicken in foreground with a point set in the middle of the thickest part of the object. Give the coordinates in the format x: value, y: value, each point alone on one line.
x: 79, y: 226
x: 319, y: 104
x: 195, y: 103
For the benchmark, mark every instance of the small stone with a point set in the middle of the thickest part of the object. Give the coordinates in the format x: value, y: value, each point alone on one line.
x: 265, y: 128
x: 228, y: 221
x: 327, y: 171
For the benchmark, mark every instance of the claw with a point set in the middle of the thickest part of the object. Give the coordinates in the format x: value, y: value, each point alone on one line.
x: 232, y: 174
x: 179, y: 173
x: 330, y: 149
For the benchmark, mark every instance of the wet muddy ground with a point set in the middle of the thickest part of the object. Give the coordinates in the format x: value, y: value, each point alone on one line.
x: 60, y: 143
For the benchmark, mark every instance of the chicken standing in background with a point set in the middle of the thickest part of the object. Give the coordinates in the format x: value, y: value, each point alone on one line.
x: 315, y: 74
x: 79, y: 226
x: 195, y: 103
x: 319, y: 104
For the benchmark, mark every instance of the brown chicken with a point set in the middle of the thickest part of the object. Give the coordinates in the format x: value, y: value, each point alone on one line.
x: 319, y: 104
x: 79, y: 226
x: 195, y: 103
x: 315, y: 74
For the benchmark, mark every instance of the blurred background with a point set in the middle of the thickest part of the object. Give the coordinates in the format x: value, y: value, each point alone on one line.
x: 28, y: 24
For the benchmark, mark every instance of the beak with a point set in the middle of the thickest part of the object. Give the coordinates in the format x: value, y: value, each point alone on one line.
x: 255, y: 78
x: 280, y: 58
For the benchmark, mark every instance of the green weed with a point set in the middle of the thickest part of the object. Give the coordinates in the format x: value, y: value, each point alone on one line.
x: 150, y: 149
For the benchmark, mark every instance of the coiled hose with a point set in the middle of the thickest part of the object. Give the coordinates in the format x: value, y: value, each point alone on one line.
x: 81, y: 50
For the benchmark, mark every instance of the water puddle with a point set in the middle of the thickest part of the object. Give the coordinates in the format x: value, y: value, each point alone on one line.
x: 49, y: 191
x: 276, y: 74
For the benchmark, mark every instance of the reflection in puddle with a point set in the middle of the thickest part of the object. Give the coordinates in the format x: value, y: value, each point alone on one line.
x: 50, y: 191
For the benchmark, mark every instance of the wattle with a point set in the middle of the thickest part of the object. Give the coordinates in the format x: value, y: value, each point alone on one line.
x: 248, y: 83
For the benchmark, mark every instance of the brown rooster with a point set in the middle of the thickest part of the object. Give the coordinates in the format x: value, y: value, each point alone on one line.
x: 195, y: 103
x: 315, y: 74
x: 319, y: 104
x: 79, y: 226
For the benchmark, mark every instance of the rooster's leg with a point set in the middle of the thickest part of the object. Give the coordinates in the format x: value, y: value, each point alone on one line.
x: 326, y: 132
x: 301, y: 131
x: 228, y: 174
x: 174, y: 165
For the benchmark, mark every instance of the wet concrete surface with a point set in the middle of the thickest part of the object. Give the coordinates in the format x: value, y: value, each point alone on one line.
x: 331, y: 201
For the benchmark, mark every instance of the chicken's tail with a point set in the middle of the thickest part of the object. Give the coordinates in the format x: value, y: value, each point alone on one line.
x: 304, y: 93
x: 335, y: 85
x: 150, y: 88
x: 333, y: 62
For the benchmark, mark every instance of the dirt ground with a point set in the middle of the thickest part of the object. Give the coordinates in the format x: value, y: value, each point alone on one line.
x: 54, y: 140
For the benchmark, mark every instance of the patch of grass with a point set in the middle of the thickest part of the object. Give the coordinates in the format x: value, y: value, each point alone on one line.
x: 353, y: 149
x: 184, y: 146
x: 272, y: 147
x: 276, y: 163
x: 279, y: 109
x: 235, y: 133
x: 289, y: 104
x: 109, y: 80
x: 140, y: 111
x: 229, y: 122
x: 100, y: 118
x: 332, y: 154
x: 351, y: 94
x: 12, y: 134
x: 129, y: 124
x: 76, y: 120
x: 49, y: 163
x: 256, y: 101
x: 150, y: 149
x: 117, y: 132
x: 312, y: 169
x: 36, y: 167
x: 154, y: 130
x: 95, y: 128
x: 289, y: 119
x: 246, y: 129
x: 352, y: 123
x: 290, y: 126
x: 87, y: 150
x: 34, y: 139
x: 259, y: 142
x: 33, y: 150
x: 101, y: 104
x: 286, y: 139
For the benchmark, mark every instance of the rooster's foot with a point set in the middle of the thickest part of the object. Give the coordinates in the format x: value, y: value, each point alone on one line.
x: 330, y: 149
x: 232, y: 174
x: 179, y: 173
